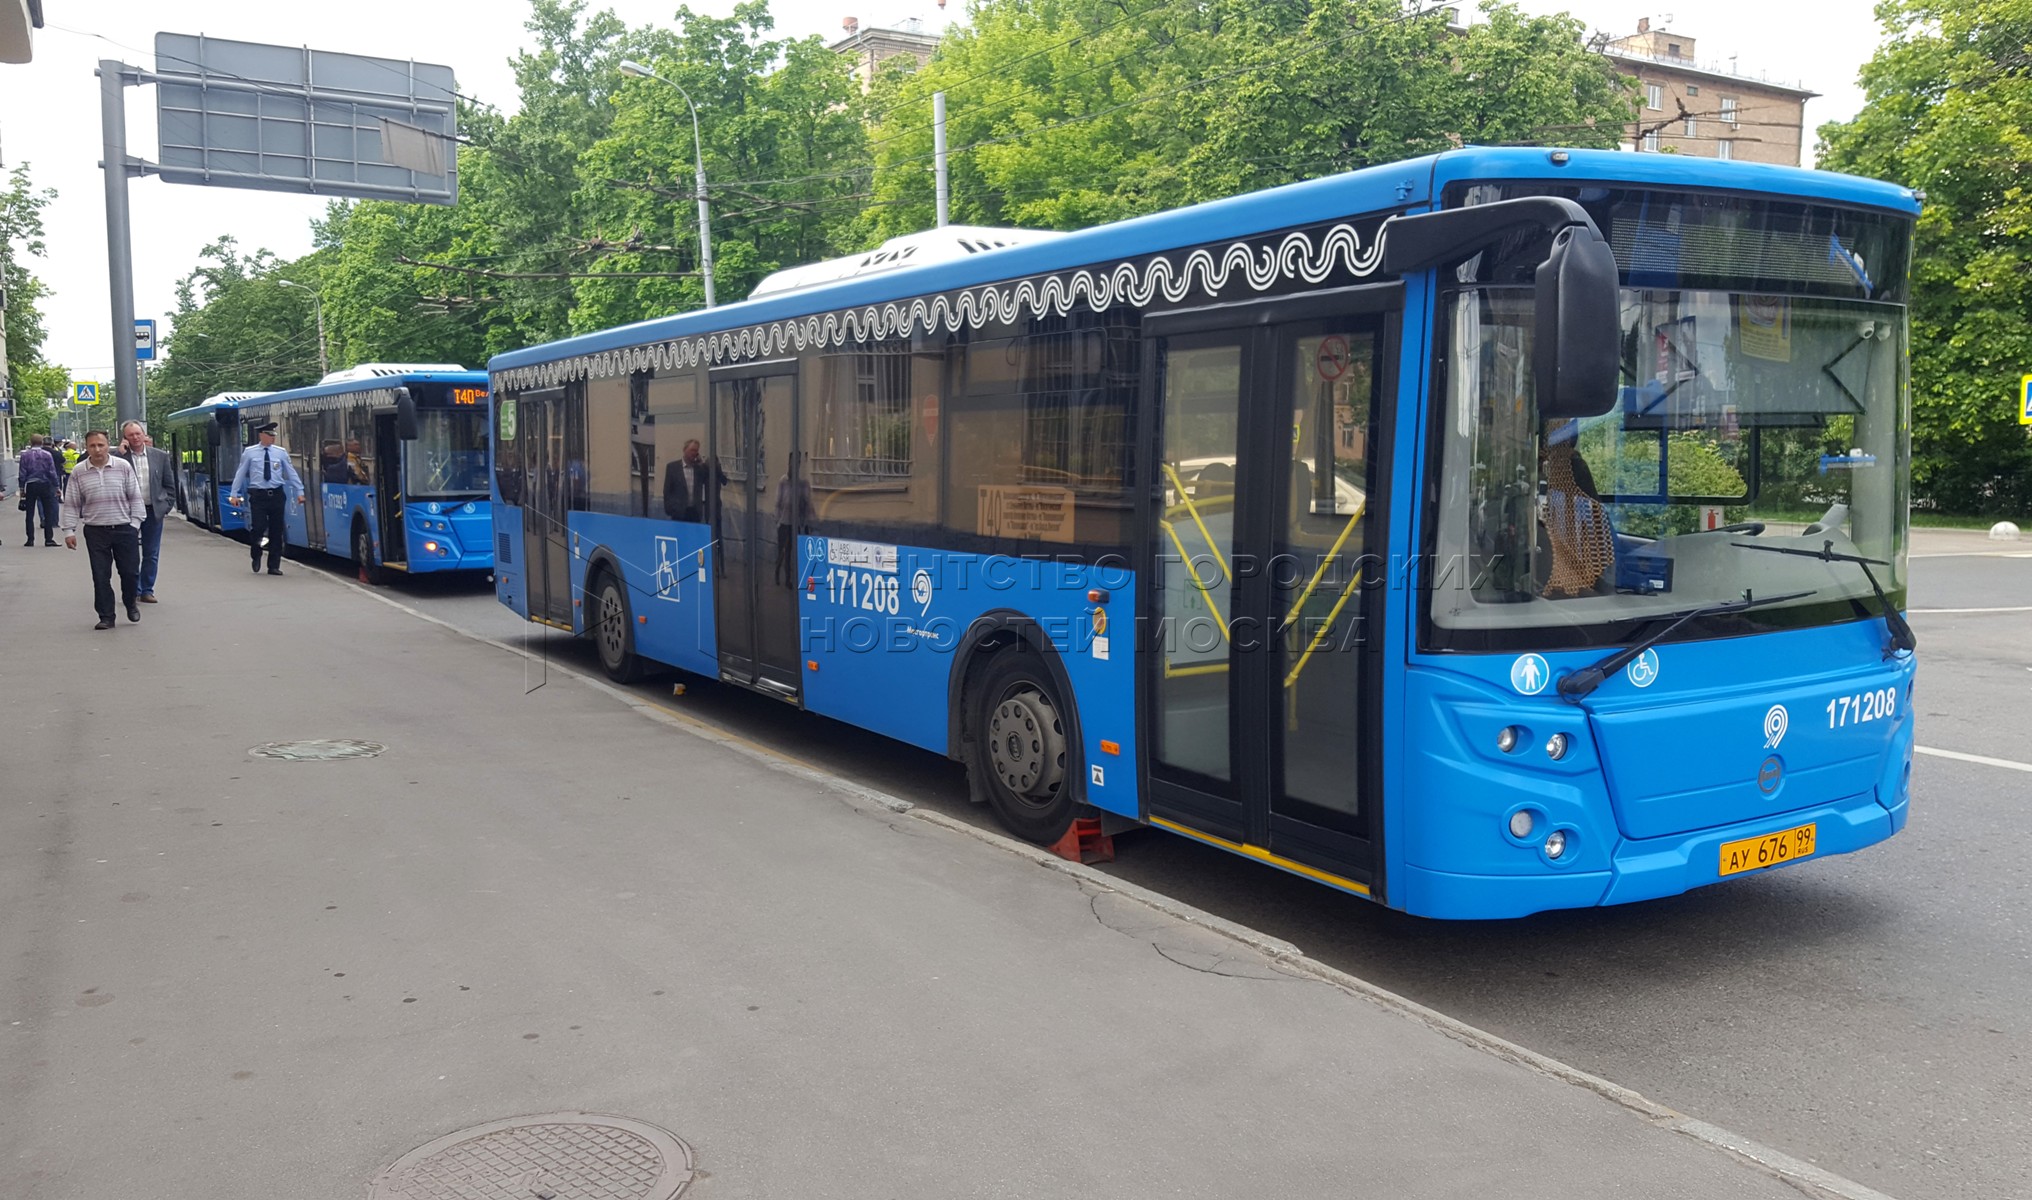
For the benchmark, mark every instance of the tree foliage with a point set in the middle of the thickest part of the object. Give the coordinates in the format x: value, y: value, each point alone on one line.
x: 1949, y: 112
x: 21, y: 238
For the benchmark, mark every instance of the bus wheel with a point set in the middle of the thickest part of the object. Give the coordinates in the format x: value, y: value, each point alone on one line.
x: 612, y: 632
x: 1020, y: 748
x: 363, y: 558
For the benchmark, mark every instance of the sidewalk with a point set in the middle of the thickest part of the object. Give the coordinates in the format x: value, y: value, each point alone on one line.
x: 230, y: 977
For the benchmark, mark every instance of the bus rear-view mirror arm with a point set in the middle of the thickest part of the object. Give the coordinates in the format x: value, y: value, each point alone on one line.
x: 405, y: 415
x: 1578, y: 326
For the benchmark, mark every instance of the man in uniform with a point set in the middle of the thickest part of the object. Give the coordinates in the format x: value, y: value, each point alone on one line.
x: 159, y: 491
x: 263, y: 478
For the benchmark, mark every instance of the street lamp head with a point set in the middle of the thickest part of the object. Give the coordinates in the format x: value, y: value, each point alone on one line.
x: 630, y: 67
x: 294, y: 284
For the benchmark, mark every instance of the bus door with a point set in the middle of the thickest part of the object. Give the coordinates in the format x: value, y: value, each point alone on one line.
x: 1263, y: 547
x: 546, y: 502
x: 755, y: 526
x: 306, y: 442
x: 388, y: 454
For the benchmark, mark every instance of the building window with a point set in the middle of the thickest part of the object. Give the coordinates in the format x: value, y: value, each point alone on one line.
x: 1654, y: 95
x: 1729, y: 111
x: 1672, y: 48
x: 1725, y: 150
x: 1692, y: 127
x: 1651, y: 141
x: 1693, y: 89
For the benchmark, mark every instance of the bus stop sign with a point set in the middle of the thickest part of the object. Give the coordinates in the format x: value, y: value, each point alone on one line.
x: 2025, y: 400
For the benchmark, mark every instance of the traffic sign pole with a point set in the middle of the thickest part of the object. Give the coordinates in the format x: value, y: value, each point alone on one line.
x: 119, y: 236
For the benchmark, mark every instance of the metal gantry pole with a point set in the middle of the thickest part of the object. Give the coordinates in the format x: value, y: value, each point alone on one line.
x: 938, y: 156
x: 119, y: 238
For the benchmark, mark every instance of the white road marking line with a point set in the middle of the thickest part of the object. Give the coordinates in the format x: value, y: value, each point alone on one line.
x: 1958, y: 756
x: 1920, y: 612
x: 1975, y: 554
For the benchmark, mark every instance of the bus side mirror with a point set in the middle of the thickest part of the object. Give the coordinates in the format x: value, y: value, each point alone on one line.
x: 1579, y: 335
x: 223, y: 423
x: 405, y: 415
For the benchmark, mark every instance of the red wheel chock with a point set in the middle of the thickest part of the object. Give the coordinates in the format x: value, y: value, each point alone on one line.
x: 1085, y: 843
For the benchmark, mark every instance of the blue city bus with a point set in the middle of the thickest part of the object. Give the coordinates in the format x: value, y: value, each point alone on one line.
x: 1493, y: 532
x: 394, y: 460
x: 206, y: 456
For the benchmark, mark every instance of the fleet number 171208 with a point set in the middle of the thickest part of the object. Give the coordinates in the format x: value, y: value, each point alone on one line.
x: 1861, y: 707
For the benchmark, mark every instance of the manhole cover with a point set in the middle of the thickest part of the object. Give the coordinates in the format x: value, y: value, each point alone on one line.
x: 321, y: 750
x: 554, y: 1156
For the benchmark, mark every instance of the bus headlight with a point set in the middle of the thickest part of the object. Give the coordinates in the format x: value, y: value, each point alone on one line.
x: 1555, y: 844
x: 1521, y: 824
x: 1555, y: 747
x: 432, y: 547
x: 1506, y: 739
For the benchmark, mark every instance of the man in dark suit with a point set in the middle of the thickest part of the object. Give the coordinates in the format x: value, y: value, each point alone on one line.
x: 688, y: 486
x: 160, y: 491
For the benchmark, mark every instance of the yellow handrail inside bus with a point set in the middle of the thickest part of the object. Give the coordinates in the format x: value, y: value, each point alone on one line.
x: 1347, y: 593
x: 1298, y: 605
x: 1178, y: 483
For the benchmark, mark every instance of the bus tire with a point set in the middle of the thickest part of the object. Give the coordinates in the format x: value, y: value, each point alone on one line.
x: 613, y: 631
x: 370, y: 571
x: 1022, y: 750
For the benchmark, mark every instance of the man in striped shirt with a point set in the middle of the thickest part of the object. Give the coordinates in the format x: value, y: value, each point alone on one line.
x: 104, y: 495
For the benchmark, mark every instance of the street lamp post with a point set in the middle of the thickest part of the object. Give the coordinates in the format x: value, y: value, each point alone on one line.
x: 705, y: 221
x: 322, y: 367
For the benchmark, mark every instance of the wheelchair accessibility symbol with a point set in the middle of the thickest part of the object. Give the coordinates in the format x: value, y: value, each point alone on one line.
x: 1643, y: 669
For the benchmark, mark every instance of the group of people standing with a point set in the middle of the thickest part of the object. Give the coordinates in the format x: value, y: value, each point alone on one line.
x: 118, y: 498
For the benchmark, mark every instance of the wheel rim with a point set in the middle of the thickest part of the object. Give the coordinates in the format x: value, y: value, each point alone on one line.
x: 1026, y: 746
x: 611, y: 618
x: 363, y: 551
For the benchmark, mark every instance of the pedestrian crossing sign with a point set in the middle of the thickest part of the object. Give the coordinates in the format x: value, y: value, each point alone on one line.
x: 2025, y: 400
x: 84, y: 393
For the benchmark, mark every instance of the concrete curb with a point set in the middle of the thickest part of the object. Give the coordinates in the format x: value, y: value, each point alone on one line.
x: 1808, y: 1178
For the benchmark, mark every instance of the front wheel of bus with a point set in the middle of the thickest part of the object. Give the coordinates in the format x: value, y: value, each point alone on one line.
x: 1021, y: 748
x: 363, y: 558
x: 611, y: 633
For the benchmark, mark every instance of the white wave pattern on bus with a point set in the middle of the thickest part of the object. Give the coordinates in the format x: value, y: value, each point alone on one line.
x: 1210, y: 272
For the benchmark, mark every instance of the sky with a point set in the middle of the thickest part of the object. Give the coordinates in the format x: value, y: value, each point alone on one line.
x: 49, y: 109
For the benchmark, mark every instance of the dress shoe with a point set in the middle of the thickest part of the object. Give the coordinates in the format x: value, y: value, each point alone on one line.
x: 149, y: 598
x: 275, y: 570
x: 50, y: 542
x: 133, y: 613
x: 255, y: 565
x: 29, y: 542
x: 103, y: 625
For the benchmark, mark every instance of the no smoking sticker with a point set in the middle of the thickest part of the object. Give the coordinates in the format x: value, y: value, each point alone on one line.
x: 1333, y: 358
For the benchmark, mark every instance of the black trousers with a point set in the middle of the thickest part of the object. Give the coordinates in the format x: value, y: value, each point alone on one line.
x: 41, y: 496
x: 113, y: 546
x: 264, y: 523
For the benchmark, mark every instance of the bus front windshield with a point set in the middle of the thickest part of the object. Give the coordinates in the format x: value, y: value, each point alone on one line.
x: 448, y: 459
x: 1762, y: 406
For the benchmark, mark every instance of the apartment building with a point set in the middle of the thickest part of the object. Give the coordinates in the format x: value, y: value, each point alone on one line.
x: 1707, y: 109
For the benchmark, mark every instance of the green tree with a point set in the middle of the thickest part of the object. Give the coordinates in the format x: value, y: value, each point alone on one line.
x: 21, y: 237
x: 1948, y: 111
x: 1068, y: 112
x: 235, y: 328
x: 780, y: 123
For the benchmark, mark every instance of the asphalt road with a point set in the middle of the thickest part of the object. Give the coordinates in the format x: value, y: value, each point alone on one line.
x: 1871, y: 1014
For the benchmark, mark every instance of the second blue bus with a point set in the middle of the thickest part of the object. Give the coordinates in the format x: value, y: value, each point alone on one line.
x: 394, y: 461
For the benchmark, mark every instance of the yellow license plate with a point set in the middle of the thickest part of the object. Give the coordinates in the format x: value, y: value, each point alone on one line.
x: 1755, y: 853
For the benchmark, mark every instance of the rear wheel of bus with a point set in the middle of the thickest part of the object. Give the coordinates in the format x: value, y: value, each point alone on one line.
x: 613, y: 631
x: 1021, y: 747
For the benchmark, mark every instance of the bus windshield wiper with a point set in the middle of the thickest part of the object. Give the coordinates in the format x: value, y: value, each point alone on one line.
x: 1902, y: 637
x: 1576, y: 686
